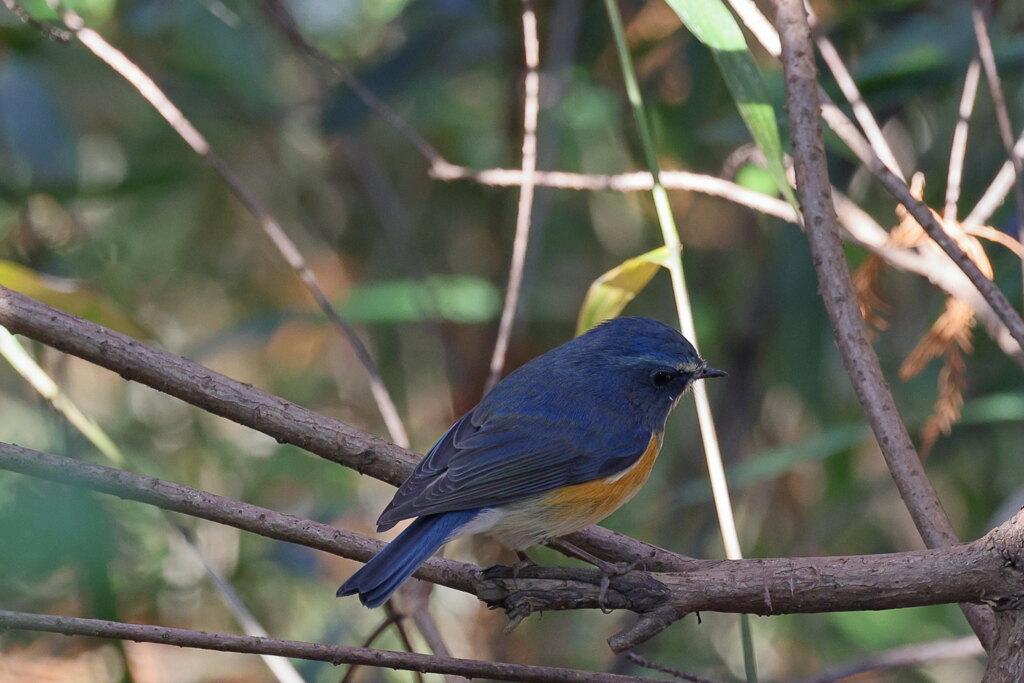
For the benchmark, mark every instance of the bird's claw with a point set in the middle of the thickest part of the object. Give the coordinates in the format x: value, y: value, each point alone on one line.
x: 608, y: 570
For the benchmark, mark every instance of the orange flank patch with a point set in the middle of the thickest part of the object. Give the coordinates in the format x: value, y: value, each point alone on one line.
x: 592, y: 501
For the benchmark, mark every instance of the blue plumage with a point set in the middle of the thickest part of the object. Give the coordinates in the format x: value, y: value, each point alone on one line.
x: 389, y: 568
x: 582, y: 412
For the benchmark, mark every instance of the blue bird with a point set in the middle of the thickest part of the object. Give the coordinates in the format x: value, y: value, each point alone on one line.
x: 559, y: 444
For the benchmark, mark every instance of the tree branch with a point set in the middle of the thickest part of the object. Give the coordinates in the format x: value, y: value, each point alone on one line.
x: 210, y: 506
x: 334, y: 654
x: 242, y: 403
x: 990, y: 569
x: 836, y: 286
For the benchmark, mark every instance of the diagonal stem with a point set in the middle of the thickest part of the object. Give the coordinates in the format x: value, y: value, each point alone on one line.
x: 836, y: 285
x: 531, y: 111
x: 149, y: 90
x: 995, y: 88
x: 958, y: 148
x: 852, y: 94
x: 670, y: 235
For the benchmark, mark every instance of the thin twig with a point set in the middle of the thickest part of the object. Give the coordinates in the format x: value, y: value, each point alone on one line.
x: 334, y: 654
x: 57, y: 35
x: 995, y: 88
x: 636, y: 181
x: 281, y: 18
x: 282, y: 669
x: 958, y: 148
x: 852, y: 94
x: 837, y: 291
x: 903, y: 657
x: 675, y: 673
x: 392, y: 617
x: 997, y: 190
x: 149, y: 90
x: 403, y: 634
x: 531, y: 111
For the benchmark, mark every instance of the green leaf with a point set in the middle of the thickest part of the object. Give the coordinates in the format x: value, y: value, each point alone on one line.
x: 712, y: 24
x: 610, y: 293
x: 455, y: 298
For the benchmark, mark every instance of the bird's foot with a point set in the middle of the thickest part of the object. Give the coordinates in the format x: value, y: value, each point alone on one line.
x: 608, y: 569
x: 523, y: 564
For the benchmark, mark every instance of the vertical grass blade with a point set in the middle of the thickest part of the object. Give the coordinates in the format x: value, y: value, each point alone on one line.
x: 670, y: 234
x: 711, y: 23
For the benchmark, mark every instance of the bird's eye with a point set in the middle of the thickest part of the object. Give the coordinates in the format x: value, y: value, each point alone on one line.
x: 662, y: 377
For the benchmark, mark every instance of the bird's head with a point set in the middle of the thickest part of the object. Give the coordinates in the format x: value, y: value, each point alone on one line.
x: 643, y: 361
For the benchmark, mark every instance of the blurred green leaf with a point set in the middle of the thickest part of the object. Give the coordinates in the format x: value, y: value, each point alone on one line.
x: 91, y: 10
x: 757, y: 179
x: 772, y: 463
x: 67, y: 295
x: 712, y: 24
x: 454, y: 298
x: 610, y: 293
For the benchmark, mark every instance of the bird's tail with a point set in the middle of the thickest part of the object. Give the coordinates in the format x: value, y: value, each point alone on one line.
x: 385, y: 572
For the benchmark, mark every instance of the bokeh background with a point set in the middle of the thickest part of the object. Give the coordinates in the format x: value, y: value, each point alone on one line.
x: 105, y: 212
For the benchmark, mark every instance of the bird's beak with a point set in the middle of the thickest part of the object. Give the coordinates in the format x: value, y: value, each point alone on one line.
x: 706, y: 373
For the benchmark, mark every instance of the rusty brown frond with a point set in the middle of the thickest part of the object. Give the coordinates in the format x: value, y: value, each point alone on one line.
x: 950, y: 336
x: 952, y: 381
x: 951, y: 332
x: 872, y: 306
x: 997, y: 236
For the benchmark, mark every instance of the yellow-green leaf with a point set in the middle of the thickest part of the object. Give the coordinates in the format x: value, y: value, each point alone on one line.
x: 610, y: 293
x: 67, y: 295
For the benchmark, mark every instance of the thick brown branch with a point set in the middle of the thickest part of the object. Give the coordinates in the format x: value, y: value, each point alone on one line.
x: 335, y: 654
x: 814, y: 191
x: 206, y: 389
x: 204, y: 505
x: 990, y: 569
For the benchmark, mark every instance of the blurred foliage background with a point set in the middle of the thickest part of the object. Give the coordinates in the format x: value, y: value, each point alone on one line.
x: 104, y: 212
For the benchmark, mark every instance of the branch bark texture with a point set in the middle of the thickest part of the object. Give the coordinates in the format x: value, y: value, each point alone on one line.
x: 836, y: 287
x: 210, y: 506
x: 335, y: 654
x: 990, y: 569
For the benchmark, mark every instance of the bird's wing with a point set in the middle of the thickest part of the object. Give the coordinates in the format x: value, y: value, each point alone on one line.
x: 493, y: 459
